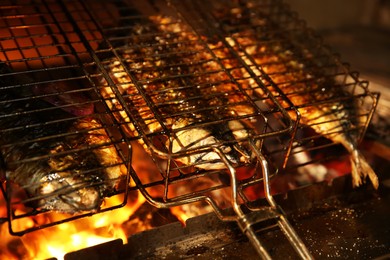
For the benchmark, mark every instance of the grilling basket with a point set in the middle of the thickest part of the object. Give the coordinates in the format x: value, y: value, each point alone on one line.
x: 220, y: 96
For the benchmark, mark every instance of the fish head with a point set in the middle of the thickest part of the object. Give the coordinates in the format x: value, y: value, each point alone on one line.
x: 68, y: 193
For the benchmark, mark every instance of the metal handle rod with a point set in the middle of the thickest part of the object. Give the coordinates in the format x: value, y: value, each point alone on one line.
x: 251, y: 235
x: 242, y: 220
x: 283, y: 223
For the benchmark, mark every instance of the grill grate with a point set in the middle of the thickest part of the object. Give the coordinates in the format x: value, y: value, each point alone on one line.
x: 235, y: 75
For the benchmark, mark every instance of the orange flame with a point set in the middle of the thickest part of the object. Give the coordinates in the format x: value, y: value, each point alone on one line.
x: 60, y: 239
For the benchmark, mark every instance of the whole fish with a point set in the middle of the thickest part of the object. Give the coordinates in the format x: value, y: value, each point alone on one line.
x: 175, y: 92
x: 63, y: 164
x: 322, y: 102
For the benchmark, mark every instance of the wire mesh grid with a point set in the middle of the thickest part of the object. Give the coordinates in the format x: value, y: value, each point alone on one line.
x: 60, y: 149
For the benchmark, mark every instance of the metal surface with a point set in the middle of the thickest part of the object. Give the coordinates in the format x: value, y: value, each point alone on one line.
x: 172, y: 60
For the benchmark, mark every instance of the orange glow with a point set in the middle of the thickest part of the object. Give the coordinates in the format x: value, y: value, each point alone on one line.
x: 60, y: 239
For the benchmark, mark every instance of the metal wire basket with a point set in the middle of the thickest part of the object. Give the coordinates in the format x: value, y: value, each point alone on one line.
x: 214, y: 93
x: 61, y: 152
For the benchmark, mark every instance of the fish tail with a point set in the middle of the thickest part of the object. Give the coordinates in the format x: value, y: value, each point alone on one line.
x: 360, y: 169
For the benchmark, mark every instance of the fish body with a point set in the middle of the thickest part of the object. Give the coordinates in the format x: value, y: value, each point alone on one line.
x: 51, y: 155
x: 167, y: 94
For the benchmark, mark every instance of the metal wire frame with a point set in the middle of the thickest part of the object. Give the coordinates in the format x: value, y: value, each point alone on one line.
x: 39, y: 47
x: 273, y: 24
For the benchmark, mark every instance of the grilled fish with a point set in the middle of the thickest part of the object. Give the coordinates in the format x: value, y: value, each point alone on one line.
x: 322, y: 103
x: 174, y: 92
x: 63, y: 164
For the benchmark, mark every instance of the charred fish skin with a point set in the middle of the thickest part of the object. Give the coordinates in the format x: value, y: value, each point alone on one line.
x: 319, y: 99
x: 50, y: 161
x: 192, y: 129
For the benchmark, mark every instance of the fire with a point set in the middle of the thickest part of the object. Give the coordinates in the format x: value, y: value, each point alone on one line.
x: 78, y: 240
x: 71, y: 236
